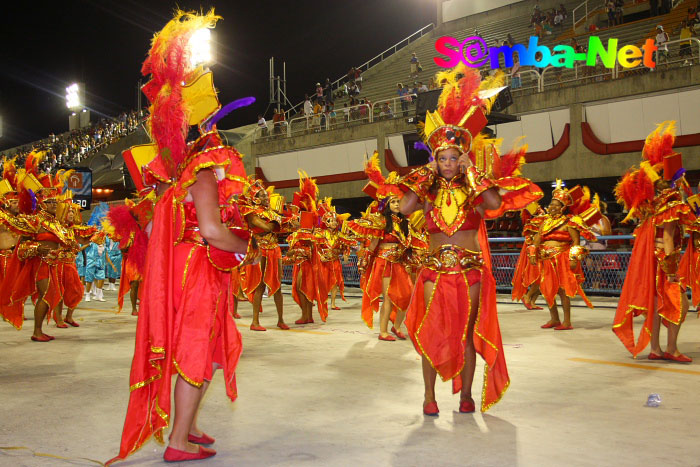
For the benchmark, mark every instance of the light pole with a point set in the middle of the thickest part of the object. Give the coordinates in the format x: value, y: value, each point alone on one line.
x: 75, y: 101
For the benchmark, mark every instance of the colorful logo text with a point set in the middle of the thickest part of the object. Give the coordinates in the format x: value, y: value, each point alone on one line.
x: 474, y: 53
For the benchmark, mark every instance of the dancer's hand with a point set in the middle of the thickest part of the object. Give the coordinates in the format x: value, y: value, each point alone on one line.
x: 463, y: 162
x: 573, y: 264
x: 533, y: 260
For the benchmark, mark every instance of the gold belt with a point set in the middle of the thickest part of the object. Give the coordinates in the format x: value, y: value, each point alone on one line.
x: 7, y: 252
x: 392, y: 252
x: 550, y: 251
x: 267, y: 241
x: 452, y: 256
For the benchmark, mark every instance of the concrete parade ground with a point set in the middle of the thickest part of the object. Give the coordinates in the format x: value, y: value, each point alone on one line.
x: 331, y: 394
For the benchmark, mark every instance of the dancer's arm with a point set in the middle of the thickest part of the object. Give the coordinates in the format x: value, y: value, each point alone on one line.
x: 205, y: 194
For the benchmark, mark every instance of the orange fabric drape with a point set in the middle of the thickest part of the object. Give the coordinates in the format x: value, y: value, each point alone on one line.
x: 556, y: 273
x: 438, y: 330
x: 525, y: 274
x: 400, y: 287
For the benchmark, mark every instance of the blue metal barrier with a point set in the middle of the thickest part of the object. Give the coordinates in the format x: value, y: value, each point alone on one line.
x: 604, y: 270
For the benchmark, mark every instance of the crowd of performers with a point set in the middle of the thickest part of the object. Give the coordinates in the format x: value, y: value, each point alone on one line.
x: 202, y: 235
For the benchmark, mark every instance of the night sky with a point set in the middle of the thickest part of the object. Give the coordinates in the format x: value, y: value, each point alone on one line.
x: 47, y: 46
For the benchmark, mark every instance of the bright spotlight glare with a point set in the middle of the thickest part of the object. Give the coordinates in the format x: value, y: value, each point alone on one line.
x: 73, y: 96
x: 200, y: 47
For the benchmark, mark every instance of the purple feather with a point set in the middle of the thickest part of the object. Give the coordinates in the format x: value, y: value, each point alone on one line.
x: 33, y: 198
x: 421, y: 146
x: 382, y: 204
x: 227, y: 109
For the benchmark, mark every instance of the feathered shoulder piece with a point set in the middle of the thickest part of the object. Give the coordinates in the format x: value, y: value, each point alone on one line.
x: 635, y: 191
x: 305, y: 198
x: 9, y: 171
x: 379, y: 187
x: 659, y: 144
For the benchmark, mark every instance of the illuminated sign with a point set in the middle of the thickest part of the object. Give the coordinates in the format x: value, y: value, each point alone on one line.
x: 474, y: 53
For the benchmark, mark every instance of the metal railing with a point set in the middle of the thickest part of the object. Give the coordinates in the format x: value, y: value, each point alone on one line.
x: 537, y: 80
x: 604, y: 270
x: 335, y: 85
x: 587, y: 9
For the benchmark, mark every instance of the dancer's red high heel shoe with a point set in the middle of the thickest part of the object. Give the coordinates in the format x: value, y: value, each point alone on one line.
x: 50, y: 337
x: 204, y: 439
x: 254, y: 327
x: 175, y: 455
x: 467, y: 407
x: 283, y: 326
x: 550, y: 325
x: 335, y: 308
x: 431, y: 408
x: 561, y: 327
x: 236, y: 316
x: 304, y: 321
x: 386, y: 338
x: 62, y: 326
x: 653, y: 356
x: 73, y: 323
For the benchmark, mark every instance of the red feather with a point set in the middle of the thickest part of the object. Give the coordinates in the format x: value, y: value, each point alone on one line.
x: 455, y: 101
x: 123, y: 222
x: 509, y: 164
x: 138, y: 250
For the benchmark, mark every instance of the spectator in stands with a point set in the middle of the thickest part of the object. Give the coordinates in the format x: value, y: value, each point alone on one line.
x: 515, y: 81
x: 346, y: 112
x: 432, y: 84
x: 619, y: 13
x: 308, y: 109
x: 562, y: 10
x: 415, y: 66
x: 330, y: 112
x: 363, y: 109
x: 539, y: 30
x: 319, y: 92
x: 510, y: 40
x: 593, y: 28
x: 278, y: 121
x: 610, y: 10
x: 386, y: 111
x: 666, y: 6
x: 403, y: 94
x: 262, y: 124
x: 414, y: 89
x: 351, y: 74
x: 692, y: 18
x: 318, y: 110
x: 686, y: 32
x: 327, y: 91
x: 558, y: 20
x: 660, y: 42
x: 422, y: 87
x: 358, y: 77
x: 353, y: 90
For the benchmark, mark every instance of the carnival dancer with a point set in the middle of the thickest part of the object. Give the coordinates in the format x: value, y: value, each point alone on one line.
x: 114, y: 265
x: 12, y: 227
x: 526, y: 286
x: 82, y: 233
x: 557, y: 251
x: 95, y: 267
x: 264, y: 223
x: 76, y: 235
x: 452, y: 314
x: 40, y: 253
x: 689, y: 266
x: 383, y: 263
x: 184, y: 326
x: 303, y: 254
x: 332, y: 242
x: 651, y: 285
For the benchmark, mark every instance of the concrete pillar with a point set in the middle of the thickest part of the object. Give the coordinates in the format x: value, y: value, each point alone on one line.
x: 381, y: 146
x: 438, y: 21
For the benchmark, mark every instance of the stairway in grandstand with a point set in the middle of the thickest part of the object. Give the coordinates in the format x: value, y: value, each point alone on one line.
x: 380, y: 81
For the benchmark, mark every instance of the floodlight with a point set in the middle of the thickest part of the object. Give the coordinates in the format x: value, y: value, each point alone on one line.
x: 200, y: 47
x: 73, y: 96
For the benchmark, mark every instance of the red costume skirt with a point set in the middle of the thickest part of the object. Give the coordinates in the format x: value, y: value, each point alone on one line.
x: 73, y: 288
x: 525, y: 275
x: 312, y: 284
x: 253, y: 275
x: 130, y: 273
x: 438, y: 328
x: 333, y: 271
x: 555, y: 274
x: 33, y: 270
x: 400, y: 287
x: 10, y: 267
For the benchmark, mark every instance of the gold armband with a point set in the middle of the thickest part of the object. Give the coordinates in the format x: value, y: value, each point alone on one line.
x: 418, y: 180
x: 577, y: 253
x: 27, y: 250
x: 669, y: 263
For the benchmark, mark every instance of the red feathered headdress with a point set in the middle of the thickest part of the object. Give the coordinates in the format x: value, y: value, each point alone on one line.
x: 635, y: 191
x: 8, y: 184
x: 462, y: 108
x: 379, y: 187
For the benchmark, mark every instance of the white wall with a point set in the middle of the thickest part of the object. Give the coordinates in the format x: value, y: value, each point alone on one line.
x: 317, y: 162
x: 541, y: 131
x: 455, y: 9
x: 634, y: 119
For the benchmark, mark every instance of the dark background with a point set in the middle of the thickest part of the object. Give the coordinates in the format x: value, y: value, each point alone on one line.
x: 46, y: 47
